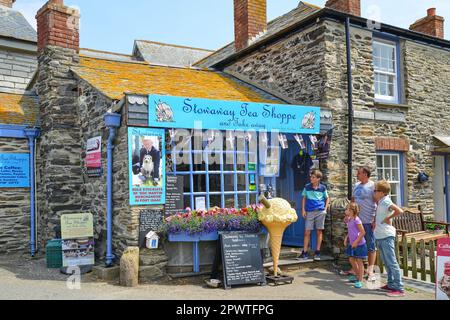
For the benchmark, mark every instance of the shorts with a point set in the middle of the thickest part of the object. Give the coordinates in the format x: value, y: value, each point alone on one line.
x: 370, y: 237
x: 315, y: 220
x: 358, y: 253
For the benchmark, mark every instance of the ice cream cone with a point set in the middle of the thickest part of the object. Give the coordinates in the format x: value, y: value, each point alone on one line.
x: 276, y: 231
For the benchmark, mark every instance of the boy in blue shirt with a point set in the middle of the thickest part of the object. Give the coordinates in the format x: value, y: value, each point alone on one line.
x: 314, y: 209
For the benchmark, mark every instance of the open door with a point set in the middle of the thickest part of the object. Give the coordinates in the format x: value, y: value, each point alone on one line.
x: 440, y: 188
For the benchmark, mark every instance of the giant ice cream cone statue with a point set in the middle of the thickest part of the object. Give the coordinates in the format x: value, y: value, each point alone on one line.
x: 276, y: 215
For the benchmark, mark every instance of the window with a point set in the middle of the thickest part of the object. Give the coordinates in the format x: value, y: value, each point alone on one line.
x: 389, y: 169
x: 385, y: 65
x: 226, y: 178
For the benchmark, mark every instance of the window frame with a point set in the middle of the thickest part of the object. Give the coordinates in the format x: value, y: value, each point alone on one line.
x: 401, y: 187
x: 393, y: 42
x: 207, y: 172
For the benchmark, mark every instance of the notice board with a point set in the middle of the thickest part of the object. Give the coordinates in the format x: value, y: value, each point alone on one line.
x: 241, y: 259
x: 149, y: 220
x: 174, y: 195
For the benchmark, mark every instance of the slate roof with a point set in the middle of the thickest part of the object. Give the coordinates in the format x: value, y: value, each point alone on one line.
x: 302, y: 11
x: 14, y: 25
x: 168, y: 54
x: 19, y: 109
x: 115, y: 78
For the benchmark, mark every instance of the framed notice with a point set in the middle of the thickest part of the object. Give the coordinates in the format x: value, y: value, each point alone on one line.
x: 77, y: 233
x: 270, y: 163
x: 147, y: 166
x: 14, y: 170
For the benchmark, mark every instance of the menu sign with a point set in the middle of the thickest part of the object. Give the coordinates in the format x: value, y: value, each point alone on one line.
x: 150, y: 220
x: 77, y: 232
x: 174, y: 195
x: 241, y: 258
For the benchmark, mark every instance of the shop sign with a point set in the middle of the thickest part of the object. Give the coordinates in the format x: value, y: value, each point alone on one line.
x: 443, y: 269
x: 94, y: 157
x: 147, y: 166
x: 192, y: 113
x: 77, y: 232
x: 14, y: 170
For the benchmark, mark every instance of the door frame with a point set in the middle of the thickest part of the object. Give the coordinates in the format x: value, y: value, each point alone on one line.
x: 446, y: 182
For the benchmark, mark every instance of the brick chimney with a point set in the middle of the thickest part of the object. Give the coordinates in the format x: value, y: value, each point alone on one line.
x: 58, y: 25
x: 250, y: 19
x: 7, y: 3
x: 352, y: 7
x: 432, y: 24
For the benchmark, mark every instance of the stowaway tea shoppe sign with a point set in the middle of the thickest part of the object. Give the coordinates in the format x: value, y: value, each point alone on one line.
x: 181, y: 115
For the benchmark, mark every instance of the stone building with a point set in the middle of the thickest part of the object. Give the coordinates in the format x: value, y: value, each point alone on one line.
x: 401, y: 124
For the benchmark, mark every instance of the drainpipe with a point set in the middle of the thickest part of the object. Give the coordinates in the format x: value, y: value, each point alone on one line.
x: 112, y: 121
x: 32, y: 134
x: 350, y: 108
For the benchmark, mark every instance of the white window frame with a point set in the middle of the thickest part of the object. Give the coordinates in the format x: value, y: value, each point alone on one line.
x: 390, y: 45
x: 394, y: 183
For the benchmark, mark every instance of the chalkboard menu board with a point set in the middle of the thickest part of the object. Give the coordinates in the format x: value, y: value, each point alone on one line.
x: 150, y: 220
x: 174, y: 195
x: 241, y: 258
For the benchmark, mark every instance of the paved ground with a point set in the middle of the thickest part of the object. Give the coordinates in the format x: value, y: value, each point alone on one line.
x: 22, y: 278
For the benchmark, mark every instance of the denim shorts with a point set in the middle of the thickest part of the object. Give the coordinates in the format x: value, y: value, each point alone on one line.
x: 370, y: 237
x: 359, y: 253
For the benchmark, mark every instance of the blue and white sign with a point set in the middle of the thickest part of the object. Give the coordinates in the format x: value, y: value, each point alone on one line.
x: 14, y: 170
x: 189, y: 113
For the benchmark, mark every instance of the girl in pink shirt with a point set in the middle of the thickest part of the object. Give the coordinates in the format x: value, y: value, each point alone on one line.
x: 355, y: 243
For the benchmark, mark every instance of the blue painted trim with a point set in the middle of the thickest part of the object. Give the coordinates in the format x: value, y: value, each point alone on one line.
x: 396, y: 42
x: 12, y: 131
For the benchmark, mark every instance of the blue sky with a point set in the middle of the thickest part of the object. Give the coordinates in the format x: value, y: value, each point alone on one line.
x: 110, y: 25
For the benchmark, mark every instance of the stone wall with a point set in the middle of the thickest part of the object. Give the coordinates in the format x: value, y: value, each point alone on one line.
x: 60, y: 179
x: 16, y: 69
x: 15, y: 207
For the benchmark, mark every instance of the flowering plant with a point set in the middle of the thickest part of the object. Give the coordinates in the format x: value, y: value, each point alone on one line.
x: 213, y: 220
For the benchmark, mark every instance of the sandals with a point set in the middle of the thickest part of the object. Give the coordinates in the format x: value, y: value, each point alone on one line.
x: 345, y: 273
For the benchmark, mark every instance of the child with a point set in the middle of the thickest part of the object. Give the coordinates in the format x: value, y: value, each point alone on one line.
x: 385, y: 237
x: 355, y: 243
x: 314, y: 209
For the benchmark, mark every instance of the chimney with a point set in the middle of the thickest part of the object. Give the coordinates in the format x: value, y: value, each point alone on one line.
x: 432, y: 24
x: 7, y: 3
x: 352, y: 7
x: 250, y: 19
x: 58, y: 25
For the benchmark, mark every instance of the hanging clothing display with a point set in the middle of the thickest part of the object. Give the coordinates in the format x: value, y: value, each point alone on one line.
x: 301, y: 164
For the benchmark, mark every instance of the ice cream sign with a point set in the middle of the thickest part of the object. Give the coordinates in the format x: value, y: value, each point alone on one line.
x: 443, y: 270
x: 189, y: 113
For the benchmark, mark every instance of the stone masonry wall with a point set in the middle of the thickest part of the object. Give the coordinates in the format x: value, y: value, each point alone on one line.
x: 60, y: 180
x: 14, y: 207
x: 16, y: 69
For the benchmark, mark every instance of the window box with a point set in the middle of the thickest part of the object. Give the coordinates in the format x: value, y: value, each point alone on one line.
x: 186, y: 237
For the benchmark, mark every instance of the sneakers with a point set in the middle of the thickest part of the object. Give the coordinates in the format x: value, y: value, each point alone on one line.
x: 396, y: 294
x: 317, y: 256
x: 303, y: 256
x: 372, y: 277
x: 352, y: 278
x: 386, y: 288
x: 358, y: 285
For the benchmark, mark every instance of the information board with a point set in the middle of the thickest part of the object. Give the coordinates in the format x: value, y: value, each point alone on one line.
x: 149, y: 220
x: 241, y: 258
x: 174, y: 195
x: 14, y: 170
x: 77, y: 232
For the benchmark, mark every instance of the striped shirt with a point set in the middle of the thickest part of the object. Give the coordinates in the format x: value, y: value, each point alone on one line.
x: 315, y: 198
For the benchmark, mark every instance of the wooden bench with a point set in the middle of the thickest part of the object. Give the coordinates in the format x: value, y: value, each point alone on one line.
x: 411, y: 224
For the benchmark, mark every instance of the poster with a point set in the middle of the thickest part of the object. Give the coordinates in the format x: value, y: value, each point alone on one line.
x: 443, y: 269
x: 147, y: 166
x: 270, y: 164
x: 14, y: 170
x: 324, y: 146
x: 94, y: 157
x: 77, y: 232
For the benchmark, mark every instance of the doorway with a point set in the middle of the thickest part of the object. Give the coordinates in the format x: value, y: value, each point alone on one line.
x: 294, y: 234
x: 440, y: 187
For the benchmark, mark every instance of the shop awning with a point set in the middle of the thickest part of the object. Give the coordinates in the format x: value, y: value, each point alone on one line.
x: 442, y: 144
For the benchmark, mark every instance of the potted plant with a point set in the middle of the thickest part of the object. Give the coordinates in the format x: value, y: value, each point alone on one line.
x: 436, y: 228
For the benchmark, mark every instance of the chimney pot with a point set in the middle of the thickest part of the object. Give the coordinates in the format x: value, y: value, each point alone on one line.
x: 432, y: 24
x: 431, y: 12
